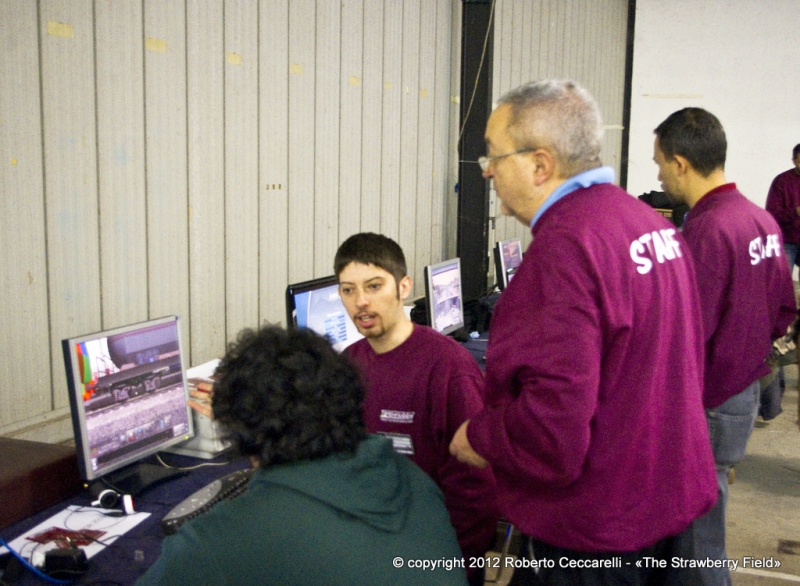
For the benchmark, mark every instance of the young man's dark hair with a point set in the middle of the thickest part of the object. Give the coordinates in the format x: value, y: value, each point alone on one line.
x: 285, y: 396
x: 372, y: 249
x: 796, y: 151
x: 697, y: 136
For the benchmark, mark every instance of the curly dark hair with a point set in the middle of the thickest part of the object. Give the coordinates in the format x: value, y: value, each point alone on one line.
x: 286, y: 395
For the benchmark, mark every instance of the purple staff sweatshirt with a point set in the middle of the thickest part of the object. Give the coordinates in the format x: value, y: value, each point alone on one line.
x: 594, y: 424
x: 746, y: 290
x: 418, y: 395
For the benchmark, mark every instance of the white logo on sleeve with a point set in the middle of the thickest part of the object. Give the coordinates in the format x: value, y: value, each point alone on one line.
x: 659, y: 245
x: 760, y: 250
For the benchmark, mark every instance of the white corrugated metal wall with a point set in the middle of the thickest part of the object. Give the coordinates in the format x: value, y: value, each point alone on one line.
x: 195, y: 156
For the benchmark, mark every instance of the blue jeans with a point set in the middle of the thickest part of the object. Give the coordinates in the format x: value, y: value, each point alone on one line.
x: 791, y: 255
x: 729, y: 426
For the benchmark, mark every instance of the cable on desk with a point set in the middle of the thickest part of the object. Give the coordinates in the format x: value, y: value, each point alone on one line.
x: 163, y: 463
x: 32, y: 568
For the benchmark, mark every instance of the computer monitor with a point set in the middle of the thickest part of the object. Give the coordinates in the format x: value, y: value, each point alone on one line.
x: 443, y: 296
x: 507, y: 257
x: 316, y: 305
x: 128, y: 400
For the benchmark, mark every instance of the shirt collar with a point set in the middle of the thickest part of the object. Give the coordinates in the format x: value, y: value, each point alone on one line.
x: 594, y: 176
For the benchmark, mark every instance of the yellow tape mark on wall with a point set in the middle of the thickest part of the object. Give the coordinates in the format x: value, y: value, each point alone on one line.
x: 387, y: 85
x: 296, y: 68
x: 234, y: 58
x: 157, y: 45
x: 60, y: 29
x: 13, y: 161
x: 354, y: 80
x: 423, y: 93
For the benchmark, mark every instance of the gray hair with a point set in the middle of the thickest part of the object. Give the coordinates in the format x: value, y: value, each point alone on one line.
x: 560, y: 116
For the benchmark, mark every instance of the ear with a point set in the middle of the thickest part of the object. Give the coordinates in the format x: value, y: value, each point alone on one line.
x: 405, y: 286
x: 544, y: 166
x: 682, y: 165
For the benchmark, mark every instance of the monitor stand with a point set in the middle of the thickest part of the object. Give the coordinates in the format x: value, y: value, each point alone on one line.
x: 138, y: 477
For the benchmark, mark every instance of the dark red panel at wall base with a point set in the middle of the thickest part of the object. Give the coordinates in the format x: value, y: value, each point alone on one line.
x: 34, y: 476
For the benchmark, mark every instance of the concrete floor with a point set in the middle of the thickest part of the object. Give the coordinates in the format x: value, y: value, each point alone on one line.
x: 764, y: 500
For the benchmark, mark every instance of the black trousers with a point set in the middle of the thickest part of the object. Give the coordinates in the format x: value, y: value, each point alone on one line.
x: 661, y: 564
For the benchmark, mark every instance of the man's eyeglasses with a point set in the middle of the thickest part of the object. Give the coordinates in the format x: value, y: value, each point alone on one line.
x: 484, y: 162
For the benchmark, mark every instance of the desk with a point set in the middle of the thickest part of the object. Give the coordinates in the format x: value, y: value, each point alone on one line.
x: 116, y: 564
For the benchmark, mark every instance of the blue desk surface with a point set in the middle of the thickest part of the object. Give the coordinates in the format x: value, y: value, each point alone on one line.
x: 118, y: 564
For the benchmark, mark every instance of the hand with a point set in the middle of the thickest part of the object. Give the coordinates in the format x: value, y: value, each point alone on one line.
x: 797, y: 209
x: 461, y: 449
x: 201, y: 407
x: 201, y: 399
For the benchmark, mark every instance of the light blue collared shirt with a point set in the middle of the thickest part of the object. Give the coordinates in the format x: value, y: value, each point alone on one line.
x: 591, y: 177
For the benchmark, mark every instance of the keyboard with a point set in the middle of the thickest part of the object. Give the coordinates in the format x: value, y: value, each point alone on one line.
x: 226, y: 488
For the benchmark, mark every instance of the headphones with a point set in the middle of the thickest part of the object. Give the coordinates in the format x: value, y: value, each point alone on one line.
x: 108, y: 499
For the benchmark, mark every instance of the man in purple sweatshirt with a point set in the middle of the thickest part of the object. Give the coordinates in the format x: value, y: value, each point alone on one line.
x: 747, y: 301
x: 783, y: 202
x: 421, y: 386
x: 594, y: 423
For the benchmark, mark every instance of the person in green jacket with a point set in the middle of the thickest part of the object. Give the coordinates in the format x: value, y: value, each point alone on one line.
x: 328, y: 504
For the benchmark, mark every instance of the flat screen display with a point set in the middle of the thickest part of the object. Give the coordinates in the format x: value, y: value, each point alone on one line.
x: 127, y: 394
x: 507, y: 258
x: 443, y: 296
x: 316, y: 305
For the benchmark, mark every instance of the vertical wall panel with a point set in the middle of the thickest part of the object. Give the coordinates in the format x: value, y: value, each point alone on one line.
x: 442, y: 130
x: 426, y: 197
x: 301, y: 187
x: 120, y: 143
x: 165, y: 131
x: 70, y: 156
x: 351, y: 82
x: 273, y: 151
x: 392, y: 107
x: 206, y: 139
x: 451, y: 203
x: 326, y: 140
x: 409, y: 132
x: 241, y: 165
x: 371, y: 127
x: 24, y: 340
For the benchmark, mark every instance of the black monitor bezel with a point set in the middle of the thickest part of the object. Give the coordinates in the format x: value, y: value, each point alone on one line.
x: 304, y: 287
x: 501, y: 272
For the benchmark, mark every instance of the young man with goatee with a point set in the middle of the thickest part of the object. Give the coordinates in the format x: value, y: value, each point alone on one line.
x: 421, y: 385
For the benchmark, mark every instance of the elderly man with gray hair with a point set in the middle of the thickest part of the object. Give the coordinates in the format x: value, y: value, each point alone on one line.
x: 594, y: 423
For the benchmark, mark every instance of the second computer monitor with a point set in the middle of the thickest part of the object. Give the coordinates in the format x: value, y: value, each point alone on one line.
x: 316, y: 305
x: 507, y: 257
x: 443, y: 296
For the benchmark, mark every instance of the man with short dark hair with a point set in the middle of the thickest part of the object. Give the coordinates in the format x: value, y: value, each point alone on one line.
x: 783, y: 202
x: 421, y: 385
x: 593, y: 424
x: 327, y: 504
x: 747, y: 296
